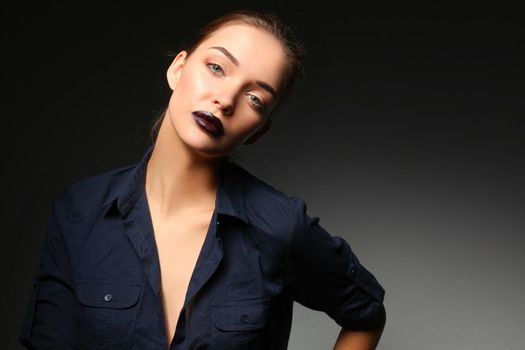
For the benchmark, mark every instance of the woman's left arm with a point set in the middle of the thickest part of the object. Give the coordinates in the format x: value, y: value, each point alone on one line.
x: 360, y: 340
x: 327, y: 276
x: 357, y: 340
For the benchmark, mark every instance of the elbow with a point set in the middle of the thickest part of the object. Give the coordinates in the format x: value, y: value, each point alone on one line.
x: 375, y: 320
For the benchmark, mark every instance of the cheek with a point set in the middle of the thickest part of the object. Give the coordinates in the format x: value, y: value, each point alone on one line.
x: 191, y: 85
x: 185, y: 86
x: 249, y: 124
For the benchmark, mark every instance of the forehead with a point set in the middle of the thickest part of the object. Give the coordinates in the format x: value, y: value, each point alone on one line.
x: 259, y: 53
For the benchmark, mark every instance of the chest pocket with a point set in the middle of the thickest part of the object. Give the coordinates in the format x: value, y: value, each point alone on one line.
x: 239, y: 323
x: 108, y: 314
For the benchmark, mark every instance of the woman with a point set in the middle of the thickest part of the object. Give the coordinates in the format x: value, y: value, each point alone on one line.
x: 186, y: 249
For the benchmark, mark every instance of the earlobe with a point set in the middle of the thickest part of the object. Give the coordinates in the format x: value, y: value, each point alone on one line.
x: 257, y: 135
x: 174, y: 70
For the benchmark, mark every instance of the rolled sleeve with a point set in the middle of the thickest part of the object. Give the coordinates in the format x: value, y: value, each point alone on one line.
x: 51, y: 316
x: 328, y: 277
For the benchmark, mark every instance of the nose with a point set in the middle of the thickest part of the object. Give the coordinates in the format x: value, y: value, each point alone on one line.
x: 225, y: 102
x: 225, y: 105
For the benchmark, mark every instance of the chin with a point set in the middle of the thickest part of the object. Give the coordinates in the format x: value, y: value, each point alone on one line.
x: 206, y: 147
x: 202, y: 143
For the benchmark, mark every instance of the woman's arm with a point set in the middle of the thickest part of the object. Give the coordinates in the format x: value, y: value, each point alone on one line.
x: 357, y: 340
x: 328, y: 277
x: 50, y: 321
x: 361, y: 340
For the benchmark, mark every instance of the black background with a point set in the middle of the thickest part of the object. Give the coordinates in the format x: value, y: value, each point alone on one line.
x: 412, y: 116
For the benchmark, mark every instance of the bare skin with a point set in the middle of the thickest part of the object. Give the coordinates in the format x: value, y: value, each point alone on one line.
x: 181, y: 175
x: 181, y: 212
x: 354, y: 340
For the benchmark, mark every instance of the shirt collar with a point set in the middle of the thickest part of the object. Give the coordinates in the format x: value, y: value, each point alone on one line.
x: 230, y: 193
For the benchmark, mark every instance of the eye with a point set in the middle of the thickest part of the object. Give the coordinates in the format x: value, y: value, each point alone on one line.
x: 256, y: 101
x: 215, y: 68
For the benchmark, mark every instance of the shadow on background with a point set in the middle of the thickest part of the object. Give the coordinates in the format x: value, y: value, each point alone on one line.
x: 406, y: 136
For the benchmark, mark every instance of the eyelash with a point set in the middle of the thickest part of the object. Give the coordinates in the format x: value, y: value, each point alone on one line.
x: 258, y: 104
x: 211, y: 64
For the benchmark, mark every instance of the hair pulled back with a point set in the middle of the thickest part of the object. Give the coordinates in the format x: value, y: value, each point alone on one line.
x: 266, y: 21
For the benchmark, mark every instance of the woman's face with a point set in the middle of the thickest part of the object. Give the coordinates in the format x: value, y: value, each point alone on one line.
x: 232, y: 78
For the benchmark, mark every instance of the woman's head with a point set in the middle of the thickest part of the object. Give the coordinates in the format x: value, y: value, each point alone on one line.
x: 268, y: 23
x: 238, y: 70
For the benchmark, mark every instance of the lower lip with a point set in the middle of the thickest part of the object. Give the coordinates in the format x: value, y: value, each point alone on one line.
x: 206, y: 126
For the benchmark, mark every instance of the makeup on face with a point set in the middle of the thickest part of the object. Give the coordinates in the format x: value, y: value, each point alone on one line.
x: 234, y: 60
x: 209, y: 123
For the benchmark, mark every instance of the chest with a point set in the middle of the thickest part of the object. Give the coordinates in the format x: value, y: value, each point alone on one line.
x: 179, y: 242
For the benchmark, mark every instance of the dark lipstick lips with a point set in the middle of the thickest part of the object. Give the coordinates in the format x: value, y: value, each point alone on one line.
x: 209, y: 123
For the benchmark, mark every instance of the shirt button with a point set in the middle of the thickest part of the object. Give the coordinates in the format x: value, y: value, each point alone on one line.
x: 244, y: 318
x: 108, y: 297
x: 352, y: 272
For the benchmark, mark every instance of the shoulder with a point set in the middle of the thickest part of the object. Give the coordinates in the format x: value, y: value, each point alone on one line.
x: 89, y: 193
x: 269, y: 208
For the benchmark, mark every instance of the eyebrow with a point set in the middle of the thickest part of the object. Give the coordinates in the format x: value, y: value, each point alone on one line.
x: 232, y: 58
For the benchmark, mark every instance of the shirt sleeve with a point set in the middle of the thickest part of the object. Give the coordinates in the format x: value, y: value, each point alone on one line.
x: 51, y: 316
x: 328, y: 277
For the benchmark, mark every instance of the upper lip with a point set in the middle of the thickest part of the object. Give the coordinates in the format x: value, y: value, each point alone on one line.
x: 209, y: 117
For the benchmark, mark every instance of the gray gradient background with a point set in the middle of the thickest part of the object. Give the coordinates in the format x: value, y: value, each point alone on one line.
x: 406, y: 137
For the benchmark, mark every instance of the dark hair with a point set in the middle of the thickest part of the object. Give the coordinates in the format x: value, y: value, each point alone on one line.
x: 266, y: 21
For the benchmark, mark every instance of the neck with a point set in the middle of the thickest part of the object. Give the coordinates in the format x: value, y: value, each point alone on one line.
x: 177, y: 178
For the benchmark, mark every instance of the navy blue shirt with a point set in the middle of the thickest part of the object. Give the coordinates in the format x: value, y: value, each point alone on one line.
x: 98, y: 285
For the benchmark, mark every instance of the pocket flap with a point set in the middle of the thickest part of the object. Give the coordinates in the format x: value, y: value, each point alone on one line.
x: 242, y: 315
x: 108, y: 295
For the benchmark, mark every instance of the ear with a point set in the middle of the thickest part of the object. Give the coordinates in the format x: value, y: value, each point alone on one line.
x: 175, y: 69
x: 260, y: 132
